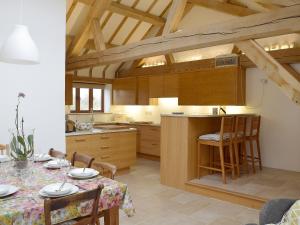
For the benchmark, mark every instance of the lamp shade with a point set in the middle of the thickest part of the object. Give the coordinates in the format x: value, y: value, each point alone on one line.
x: 19, y: 48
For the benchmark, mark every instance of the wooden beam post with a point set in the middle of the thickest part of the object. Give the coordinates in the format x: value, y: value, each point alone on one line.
x: 273, y: 69
x: 98, y: 36
x: 97, y: 9
x: 282, y: 21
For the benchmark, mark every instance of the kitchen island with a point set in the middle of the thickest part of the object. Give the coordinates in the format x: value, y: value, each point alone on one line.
x: 179, y: 156
x: 114, y: 146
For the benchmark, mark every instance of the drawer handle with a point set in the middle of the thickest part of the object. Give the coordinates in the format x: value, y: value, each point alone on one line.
x: 105, y: 157
x: 105, y: 147
x: 154, y: 144
x: 80, y: 140
x: 104, y: 137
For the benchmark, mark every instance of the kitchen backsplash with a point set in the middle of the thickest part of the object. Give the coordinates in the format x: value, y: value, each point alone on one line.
x: 149, y: 113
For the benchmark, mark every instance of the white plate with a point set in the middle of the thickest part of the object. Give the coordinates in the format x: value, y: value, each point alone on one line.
x: 4, y: 158
x: 89, y: 173
x: 53, y: 189
x: 3, y: 189
x: 74, y: 189
x: 11, y: 190
x: 56, y: 164
x: 42, y: 157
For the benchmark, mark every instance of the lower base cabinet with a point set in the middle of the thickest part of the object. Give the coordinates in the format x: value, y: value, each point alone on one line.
x: 149, y: 140
x: 118, y: 148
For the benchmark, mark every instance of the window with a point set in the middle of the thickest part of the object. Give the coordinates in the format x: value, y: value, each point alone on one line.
x: 86, y: 99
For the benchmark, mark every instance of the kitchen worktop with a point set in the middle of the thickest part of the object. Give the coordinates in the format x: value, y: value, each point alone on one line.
x: 205, y: 115
x: 99, y: 131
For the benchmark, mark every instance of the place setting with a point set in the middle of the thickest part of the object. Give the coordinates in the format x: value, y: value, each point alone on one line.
x: 42, y: 157
x: 56, y: 164
x: 7, y: 190
x: 56, y: 190
x: 82, y: 173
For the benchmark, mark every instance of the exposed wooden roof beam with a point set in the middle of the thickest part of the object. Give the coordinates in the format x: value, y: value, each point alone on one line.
x: 135, y: 13
x: 224, y: 7
x: 273, y: 69
x: 90, y: 43
x: 282, y: 21
x: 283, y: 56
x: 174, y: 17
x: 251, y: 5
x: 97, y: 9
x: 98, y: 36
x: 280, y: 2
x: 71, y: 9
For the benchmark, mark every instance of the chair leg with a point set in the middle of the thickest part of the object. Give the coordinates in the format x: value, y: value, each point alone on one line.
x: 232, y: 161
x: 222, y: 164
x: 199, y: 152
x: 258, y: 153
x: 252, y: 155
x: 210, y: 148
x: 245, y: 158
x: 237, y: 159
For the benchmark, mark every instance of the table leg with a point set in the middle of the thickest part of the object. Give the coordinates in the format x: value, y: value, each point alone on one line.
x: 111, y: 216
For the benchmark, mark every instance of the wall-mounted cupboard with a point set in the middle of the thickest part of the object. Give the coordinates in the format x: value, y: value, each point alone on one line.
x: 220, y: 86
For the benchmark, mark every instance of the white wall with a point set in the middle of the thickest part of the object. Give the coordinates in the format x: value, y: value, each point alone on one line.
x: 43, y: 84
x: 280, y: 126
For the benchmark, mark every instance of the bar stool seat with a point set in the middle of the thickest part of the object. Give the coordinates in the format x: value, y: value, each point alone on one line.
x: 220, y: 140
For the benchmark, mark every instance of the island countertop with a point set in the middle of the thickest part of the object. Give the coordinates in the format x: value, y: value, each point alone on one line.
x: 205, y: 115
x: 99, y: 131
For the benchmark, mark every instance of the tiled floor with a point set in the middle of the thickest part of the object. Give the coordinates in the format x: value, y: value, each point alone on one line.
x: 268, y: 183
x: 157, y: 204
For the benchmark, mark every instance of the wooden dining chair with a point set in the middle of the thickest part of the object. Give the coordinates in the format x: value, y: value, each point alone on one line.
x: 220, y: 140
x: 239, y: 139
x: 106, y: 169
x: 57, y: 154
x: 253, y: 136
x: 4, y: 149
x: 84, y: 159
x: 60, y: 203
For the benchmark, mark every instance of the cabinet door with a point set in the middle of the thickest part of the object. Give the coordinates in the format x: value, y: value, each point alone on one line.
x: 125, y: 91
x: 69, y: 89
x: 171, y: 85
x: 143, y: 90
x: 224, y: 86
x: 156, y: 86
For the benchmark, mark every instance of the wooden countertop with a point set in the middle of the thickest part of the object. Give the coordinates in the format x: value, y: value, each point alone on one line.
x: 99, y: 131
x: 205, y: 115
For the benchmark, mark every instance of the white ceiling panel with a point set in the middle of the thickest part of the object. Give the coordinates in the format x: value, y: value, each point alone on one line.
x: 160, y: 7
x: 144, y: 5
x: 124, y: 31
x: 112, y: 25
x: 77, y: 18
x: 140, y: 32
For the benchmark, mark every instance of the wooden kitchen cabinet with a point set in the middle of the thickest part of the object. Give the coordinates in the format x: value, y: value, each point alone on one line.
x: 118, y: 148
x: 148, y: 140
x: 222, y: 86
x: 163, y: 86
x: 143, y: 95
x: 125, y: 91
x: 69, y: 89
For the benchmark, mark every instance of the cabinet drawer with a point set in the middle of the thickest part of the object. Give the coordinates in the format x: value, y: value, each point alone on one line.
x: 150, y: 133
x: 150, y: 147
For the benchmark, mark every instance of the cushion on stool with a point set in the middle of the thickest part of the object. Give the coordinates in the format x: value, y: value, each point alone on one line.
x: 214, y: 137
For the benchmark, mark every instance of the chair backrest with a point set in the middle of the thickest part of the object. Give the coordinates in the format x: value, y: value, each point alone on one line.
x: 240, y: 126
x: 4, y: 149
x: 255, y: 125
x: 57, y: 154
x: 106, y: 168
x: 85, y: 159
x: 60, y: 203
x: 227, y: 127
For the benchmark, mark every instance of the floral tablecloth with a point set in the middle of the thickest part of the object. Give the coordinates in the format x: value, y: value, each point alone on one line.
x: 26, y: 207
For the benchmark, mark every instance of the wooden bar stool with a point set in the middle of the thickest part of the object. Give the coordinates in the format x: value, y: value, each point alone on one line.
x: 220, y: 140
x: 239, y: 139
x: 253, y: 136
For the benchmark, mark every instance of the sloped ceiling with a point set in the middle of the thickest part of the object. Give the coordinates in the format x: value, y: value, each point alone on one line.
x: 119, y: 30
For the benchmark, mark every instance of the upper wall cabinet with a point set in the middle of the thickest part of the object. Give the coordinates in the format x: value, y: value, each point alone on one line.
x: 222, y: 86
x: 163, y: 86
x: 68, y: 89
x: 125, y: 91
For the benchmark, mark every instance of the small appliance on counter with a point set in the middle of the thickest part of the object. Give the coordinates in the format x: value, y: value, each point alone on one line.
x: 70, y: 125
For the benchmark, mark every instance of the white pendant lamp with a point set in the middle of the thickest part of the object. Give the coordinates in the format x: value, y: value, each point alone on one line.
x: 19, y: 48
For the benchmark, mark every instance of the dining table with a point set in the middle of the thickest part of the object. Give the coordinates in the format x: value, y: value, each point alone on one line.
x: 26, y: 207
